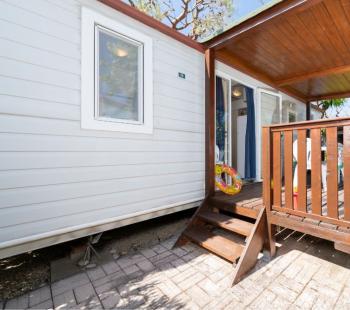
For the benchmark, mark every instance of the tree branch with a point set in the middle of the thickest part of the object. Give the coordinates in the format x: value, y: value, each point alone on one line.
x: 132, y: 3
x: 183, y: 14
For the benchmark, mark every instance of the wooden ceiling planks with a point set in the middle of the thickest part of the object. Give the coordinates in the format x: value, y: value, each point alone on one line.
x: 333, y: 84
x: 310, y: 75
x: 304, y: 50
x: 239, y: 64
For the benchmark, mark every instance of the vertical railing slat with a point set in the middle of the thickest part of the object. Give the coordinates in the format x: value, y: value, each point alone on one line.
x: 313, y: 139
x: 266, y: 167
x: 316, y: 199
x: 332, y: 172
x: 346, y: 160
x: 288, y: 168
x: 302, y: 169
x: 276, y: 141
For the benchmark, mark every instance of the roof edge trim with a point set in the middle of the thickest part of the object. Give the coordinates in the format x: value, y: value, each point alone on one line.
x: 266, y: 15
x: 153, y: 23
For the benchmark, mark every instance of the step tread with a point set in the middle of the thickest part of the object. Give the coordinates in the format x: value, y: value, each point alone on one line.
x: 229, y: 223
x: 235, y: 208
x: 219, y: 245
x: 343, y: 247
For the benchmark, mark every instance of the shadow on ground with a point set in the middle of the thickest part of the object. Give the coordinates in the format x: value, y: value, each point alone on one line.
x: 306, y: 273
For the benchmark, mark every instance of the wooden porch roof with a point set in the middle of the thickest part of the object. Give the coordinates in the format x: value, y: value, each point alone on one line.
x: 301, y: 47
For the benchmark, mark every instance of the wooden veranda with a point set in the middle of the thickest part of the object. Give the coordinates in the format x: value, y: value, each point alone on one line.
x: 321, y: 208
x: 302, y: 48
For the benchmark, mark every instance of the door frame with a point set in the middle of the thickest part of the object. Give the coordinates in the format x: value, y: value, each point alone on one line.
x: 255, y: 88
x: 229, y: 134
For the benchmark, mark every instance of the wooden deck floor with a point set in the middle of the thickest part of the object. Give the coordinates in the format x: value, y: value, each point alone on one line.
x: 249, y: 201
x: 251, y: 197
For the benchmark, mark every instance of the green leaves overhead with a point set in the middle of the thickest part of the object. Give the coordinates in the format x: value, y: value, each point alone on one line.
x: 326, y: 105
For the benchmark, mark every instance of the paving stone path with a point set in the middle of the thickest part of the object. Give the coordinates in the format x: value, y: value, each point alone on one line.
x: 304, y: 275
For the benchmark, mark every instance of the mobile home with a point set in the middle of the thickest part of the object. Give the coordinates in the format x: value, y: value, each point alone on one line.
x: 105, y: 120
x: 67, y: 172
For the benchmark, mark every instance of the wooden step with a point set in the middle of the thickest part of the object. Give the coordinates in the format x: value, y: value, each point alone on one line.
x: 235, y: 209
x: 343, y: 247
x: 232, y: 224
x: 219, y: 245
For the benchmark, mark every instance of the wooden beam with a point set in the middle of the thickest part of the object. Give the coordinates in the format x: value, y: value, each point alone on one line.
x: 282, y: 8
x: 311, y: 229
x: 319, y: 123
x: 240, y: 65
x: 153, y: 23
x: 209, y: 122
x: 270, y: 244
x: 342, y: 247
x: 312, y: 75
x: 252, y: 249
x: 330, y: 96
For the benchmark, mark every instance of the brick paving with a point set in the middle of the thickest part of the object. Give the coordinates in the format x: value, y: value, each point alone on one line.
x: 306, y: 274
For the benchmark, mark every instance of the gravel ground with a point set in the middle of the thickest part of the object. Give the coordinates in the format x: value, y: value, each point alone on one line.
x: 26, y: 272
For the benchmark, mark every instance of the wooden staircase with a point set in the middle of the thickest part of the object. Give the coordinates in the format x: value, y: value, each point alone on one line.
x: 233, y: 232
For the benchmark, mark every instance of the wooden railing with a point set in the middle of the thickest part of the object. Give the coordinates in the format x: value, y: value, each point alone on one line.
x: 285, y: 174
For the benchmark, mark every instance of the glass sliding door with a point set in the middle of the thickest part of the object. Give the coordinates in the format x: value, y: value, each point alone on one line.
x: 271, y: 108
x: 270, y: 112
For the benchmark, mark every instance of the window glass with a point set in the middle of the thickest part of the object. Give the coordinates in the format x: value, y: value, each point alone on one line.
x: 119, y: 77
x: 301, y: 111
x: 292, y: 117
x: 222, y: 120
x: 293, y: 111
x: 270, y: 109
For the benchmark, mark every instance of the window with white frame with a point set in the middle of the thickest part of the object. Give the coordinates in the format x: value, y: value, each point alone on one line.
x: 116, y: 76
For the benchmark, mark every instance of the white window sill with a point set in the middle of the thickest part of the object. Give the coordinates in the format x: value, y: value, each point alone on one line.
x: 94, y: 124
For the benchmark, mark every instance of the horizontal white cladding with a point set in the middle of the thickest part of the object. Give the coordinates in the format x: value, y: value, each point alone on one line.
x: 55, y: 175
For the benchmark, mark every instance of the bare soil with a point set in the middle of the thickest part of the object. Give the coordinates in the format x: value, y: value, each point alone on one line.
x: 25, y: 272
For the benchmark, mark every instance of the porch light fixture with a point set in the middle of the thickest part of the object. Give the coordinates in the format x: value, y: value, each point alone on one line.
x: 120, y: 52
x: 237, y: 91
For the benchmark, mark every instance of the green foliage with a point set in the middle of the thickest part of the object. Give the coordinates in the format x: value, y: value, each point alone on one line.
x: 152, y: 8
x: 337, y: 104
x: 332, y: 103
x: 198, y: 19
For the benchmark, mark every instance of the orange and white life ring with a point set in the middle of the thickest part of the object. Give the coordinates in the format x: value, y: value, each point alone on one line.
x: 237, y: 183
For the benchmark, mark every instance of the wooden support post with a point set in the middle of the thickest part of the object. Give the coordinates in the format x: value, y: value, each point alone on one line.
x: 308, y: 117
x: 308, y: 111
x: 267, y: 190
x: 346, y: 160
x: 209, y: 122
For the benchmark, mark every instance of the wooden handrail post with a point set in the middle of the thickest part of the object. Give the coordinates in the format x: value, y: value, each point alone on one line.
x: 266, y: 167
x: 209, y: 122
x: 267, y: 191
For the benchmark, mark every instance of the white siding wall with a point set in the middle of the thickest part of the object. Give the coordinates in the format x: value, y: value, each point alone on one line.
x: 53, y: 174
